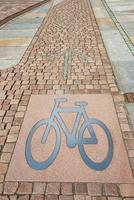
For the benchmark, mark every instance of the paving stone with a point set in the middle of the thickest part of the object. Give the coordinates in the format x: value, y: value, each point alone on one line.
x: 39, y: 188
x: 24, y: 197
x: 53, y: 188
x: 1, y: 178
x: 130, y: 109
x: 94, y: 189
x: 65, y: 197
x: 125, y: 127
x: 132, y: 162
x: 1, y: 188
x: 99, y: 198
x: 4, y: 198
x: 25, y: 188
x: 10, y: 187
x: 21, y: 108
x: 12, y: 138
x: 14, y: 101
x: 3, y: 132
x: 127, y: 190
x: 19, y: 114
x: 111, y: 189
x: 2, y: 140
x: 80, y: 197
x: 14, y: 129
x: 130, y: 99
x: 37, y: 197
x: 3, y: 168
x: 114, y: 198
x: 80, y: 188
x: 2, y: 113
x: 66, y: 188
x: 51, y: 197
x: 10, y: 113
x: 8, y: 119
x: 13, y: 197
x: 129, y: 143
x: 5, y: 157
x: 88, y: 197
x: 131, y: 153
x: 8, y: 147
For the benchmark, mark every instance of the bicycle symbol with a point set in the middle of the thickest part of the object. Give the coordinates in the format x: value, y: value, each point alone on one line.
x: 75, y: 138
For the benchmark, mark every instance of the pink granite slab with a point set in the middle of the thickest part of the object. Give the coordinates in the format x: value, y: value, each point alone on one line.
x: 69, y: 166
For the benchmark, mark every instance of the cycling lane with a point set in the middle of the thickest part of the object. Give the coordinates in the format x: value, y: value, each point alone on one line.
x: 67, y: 57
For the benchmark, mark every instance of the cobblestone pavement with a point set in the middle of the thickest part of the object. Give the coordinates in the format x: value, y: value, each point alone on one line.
x: 70, y: 28
x: 9, y: 7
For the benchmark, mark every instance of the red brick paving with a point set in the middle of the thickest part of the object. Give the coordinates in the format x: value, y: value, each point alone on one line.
x: 9, y: 8
x: 36, y: 74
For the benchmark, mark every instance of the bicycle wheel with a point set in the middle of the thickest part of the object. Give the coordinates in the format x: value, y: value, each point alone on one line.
x: 28, y: 151
x: 99, y: 166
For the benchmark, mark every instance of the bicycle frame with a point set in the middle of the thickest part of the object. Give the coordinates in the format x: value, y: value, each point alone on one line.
x: 71, y: 137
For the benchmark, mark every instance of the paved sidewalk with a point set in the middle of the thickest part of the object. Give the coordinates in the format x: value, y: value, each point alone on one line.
x: 117, y: 45
x: 124, y: 13
x: 66, y: 57
x: 115, y: 19
x: 16, y: 35
x: 9, y: 7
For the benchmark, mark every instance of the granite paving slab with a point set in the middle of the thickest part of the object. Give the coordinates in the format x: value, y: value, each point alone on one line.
x: 8, y: 63
x: 119, y: 53
x: 61, y: 157
x: 21, y: 25
x: 20, y: 41
x: 130, y: 109
x: 11, y: 52
x: 16, y: 35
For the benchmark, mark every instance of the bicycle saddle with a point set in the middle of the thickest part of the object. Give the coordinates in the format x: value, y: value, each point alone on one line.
x: 81, y: 103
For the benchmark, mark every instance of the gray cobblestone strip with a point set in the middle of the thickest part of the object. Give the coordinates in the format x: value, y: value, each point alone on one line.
x: 67, y: 191
x: 130, y: 109
x: 120, y: 55
x: 119, y: 27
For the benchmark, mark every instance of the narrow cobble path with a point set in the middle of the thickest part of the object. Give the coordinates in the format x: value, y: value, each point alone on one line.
x: 67, y: 56
x: 9, y: 8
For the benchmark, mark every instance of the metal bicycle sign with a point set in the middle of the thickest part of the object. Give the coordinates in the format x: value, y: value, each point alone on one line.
x: 76, y: 137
